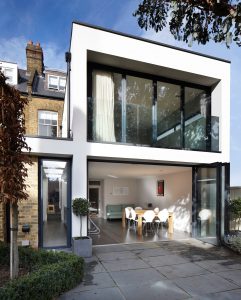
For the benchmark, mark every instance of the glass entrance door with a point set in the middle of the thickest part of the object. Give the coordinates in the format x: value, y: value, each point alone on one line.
x: 54, y: 203
x: 205, y: 204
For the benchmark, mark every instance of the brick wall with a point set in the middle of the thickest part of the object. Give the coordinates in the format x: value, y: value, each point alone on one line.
x: 28, y: 209
x: 31, y: 113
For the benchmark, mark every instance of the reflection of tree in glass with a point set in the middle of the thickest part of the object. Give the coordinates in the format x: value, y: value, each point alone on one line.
x: 139, y: 94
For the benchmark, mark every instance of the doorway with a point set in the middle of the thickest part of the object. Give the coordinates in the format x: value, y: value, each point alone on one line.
x: 54, y: 203
x: 125, y: 184
x: 209, y: 197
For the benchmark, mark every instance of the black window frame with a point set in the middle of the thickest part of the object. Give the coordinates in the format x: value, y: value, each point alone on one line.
x: 183, y: 84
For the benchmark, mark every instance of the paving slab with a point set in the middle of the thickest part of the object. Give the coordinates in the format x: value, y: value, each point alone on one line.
x: 165, y: 260
x: 101, y: 294
x: 219, y: 265
x: 137, y: 246
x: 181, y: 270
x: 94, y: 266
x: 137, y: 277
x: 230, y: 295
x: 94, y: 281
x: 109, y: 248
x: 232, y: 276
x: 150, y: 252
x: 155, y: 291
x: 116, y: 255
x: 204, y: 284
x: 125, y: 264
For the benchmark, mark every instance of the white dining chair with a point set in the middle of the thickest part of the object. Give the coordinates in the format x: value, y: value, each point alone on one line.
x: 162, y: 217
x: 156, y: 210
x: 138, y: 207
x: 128, y: 214
x: 133, y: 218
x: 148, y: 218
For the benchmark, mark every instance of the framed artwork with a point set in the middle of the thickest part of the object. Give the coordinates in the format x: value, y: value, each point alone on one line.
x: 160, y: 188
x: 120, y: 191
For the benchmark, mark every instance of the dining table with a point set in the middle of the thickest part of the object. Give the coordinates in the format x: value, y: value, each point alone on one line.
x: 140, y: 213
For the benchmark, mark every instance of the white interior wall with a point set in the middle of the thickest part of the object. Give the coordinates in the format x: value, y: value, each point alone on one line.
x: 45, y: 198
x: 109, y: 198
x: 177, y: 196
x: 63, y: 193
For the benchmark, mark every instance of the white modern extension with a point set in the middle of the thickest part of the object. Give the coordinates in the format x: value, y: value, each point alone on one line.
x: 140, y: 113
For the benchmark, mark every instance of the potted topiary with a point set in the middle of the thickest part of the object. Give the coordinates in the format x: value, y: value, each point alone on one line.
x: 81, y: 245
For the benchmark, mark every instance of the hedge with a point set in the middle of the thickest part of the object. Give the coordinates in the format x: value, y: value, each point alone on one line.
x: 51, y: 273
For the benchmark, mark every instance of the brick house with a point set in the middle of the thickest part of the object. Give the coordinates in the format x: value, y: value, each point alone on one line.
x: 45, y: 89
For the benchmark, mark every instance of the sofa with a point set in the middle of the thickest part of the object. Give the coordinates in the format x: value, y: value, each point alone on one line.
x: 114, y: 211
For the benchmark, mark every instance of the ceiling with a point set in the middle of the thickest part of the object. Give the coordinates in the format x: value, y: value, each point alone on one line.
x: 119, y: 62
x: 103, y: 170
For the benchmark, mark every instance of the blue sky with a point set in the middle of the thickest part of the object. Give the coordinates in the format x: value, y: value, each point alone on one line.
x: 49, y: 22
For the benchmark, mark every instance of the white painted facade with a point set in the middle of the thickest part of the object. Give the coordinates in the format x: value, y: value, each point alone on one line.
x: 96, y: 45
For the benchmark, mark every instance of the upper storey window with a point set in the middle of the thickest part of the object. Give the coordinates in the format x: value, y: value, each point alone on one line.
x: 47, y: 123
x: 155, y: 112
x: 56, y: 82
x: 8, y: 72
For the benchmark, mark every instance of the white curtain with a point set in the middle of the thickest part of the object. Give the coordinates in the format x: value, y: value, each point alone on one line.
x: 103, y: 94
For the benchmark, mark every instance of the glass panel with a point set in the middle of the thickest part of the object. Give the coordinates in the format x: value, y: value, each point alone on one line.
x: 214, y: 133
x: 53, y: 82
x: 139, y: 95
x: 206, y: 200
x: 107, y: 106
x: 118, y: 106
x: 196, y: 114
x: 62, y: 83
x: 8, y: 72
x: 168, y: 115
x: 54, y: 207
x: 42, y: 130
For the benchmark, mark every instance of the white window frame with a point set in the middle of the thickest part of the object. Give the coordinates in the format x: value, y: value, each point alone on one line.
x: 58, y: 78
x: 48, y: 112
x: 9, y: 78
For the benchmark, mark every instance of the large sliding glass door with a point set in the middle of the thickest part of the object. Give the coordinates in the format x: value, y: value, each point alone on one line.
x: 168, y: 115
x: 54, y: 203
x: 207, y: 202
x: 140, y: 109
x: 210, y: 192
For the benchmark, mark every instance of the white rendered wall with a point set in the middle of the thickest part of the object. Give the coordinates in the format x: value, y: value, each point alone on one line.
x: 177, y: 197
x: 110, y: 198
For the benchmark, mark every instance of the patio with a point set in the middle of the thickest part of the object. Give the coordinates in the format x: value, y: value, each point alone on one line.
x: 185, y: 269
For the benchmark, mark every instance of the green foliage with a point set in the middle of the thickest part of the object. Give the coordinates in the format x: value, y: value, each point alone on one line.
x: 4, y: 254
x: 194, y: 20
x: 234, y: 242
x: 235, y: 207
x: 51, y: 273
x: 80, y: 206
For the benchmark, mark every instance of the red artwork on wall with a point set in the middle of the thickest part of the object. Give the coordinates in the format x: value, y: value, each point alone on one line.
x: 160, y: 188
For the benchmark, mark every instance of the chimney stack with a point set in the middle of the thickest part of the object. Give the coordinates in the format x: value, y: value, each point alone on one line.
x: 35, y: 58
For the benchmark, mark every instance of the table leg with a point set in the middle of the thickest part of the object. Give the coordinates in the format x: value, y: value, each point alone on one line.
x: 139, y: 225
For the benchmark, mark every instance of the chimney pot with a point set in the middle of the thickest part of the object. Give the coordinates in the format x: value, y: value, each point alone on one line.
x: 38, y: 44
x: 30, y: 42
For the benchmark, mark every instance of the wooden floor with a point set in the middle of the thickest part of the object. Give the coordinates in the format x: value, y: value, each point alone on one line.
x: 111, y: 232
